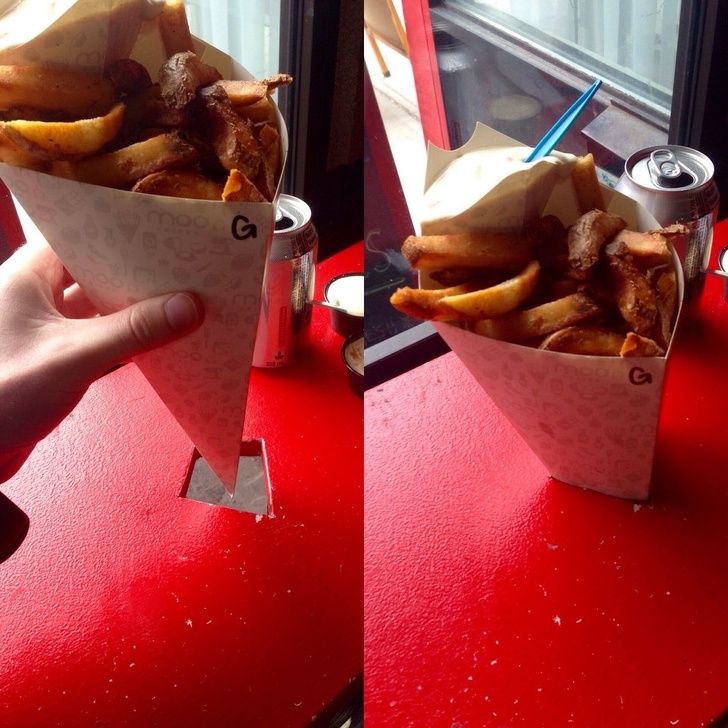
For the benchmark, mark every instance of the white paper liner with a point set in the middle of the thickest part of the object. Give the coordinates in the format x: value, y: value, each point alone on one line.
x: 71, y: 33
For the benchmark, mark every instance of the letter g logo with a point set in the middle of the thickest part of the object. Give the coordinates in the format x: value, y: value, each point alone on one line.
x: 637, y: 375
x: 242, y: 228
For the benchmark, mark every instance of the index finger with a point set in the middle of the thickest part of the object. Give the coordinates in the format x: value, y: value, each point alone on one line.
x: 36, y: 258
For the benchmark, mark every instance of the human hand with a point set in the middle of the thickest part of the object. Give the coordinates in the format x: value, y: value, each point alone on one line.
x: 53, y: 345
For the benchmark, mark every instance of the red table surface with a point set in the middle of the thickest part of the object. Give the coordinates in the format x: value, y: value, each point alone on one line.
x: 128, y: 605
x: 497, y: 596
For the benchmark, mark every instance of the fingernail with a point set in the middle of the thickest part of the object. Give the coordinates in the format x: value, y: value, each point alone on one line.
x: 182, y: 312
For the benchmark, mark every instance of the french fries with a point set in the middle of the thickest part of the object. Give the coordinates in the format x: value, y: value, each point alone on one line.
x: 179, y: 183
x: 53, y: 91
x: 586, y: 238
x: 495, y: 300
x: 238, y: 188
x: 469, y: 250
x: 636, y: 345
x: 592, y: 288
x: 586, y: 184
x: 189, y: 132
x: 49, y: 140
x: 649, y: 249
x: 633, y: 294
x: 174, y: 28
x: 124, y: 167
x: 424, y: 303
x: 540, y: 320
x: 182, y: 76
x: 591, y: 340
x: 246, y: 93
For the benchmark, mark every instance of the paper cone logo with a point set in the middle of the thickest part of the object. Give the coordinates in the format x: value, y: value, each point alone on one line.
x: 122, y: 247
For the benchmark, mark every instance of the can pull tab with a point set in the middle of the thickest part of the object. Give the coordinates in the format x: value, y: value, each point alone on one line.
x: 666, y: 170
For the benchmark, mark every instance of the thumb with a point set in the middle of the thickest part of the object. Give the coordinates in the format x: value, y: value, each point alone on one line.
x: 143, y: 326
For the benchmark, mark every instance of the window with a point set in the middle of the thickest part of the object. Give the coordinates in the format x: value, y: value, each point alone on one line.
x: 249, y: 32
x: 631, y: 45
x: 517, y: 65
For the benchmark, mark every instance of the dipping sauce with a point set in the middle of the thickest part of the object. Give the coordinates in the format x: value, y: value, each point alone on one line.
x: 352, y: 352
x: 347, y: 292
x: 354, y: 355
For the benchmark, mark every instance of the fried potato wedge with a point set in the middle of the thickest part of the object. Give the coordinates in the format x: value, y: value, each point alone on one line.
x: 647, y: 249
x: 179, y: 183
x: 280, y: 79
x: 494, y: 300
x: 122, y: 168
x: 50, y: 89
x: 238, y: 188
x: 546, y: 231
x: 662, y: 330
x: 244, y: 92
x: 174, y: 28
x: 471, y: 250
x: 50, y: 140
x: 145, y: 110
x: 540, y: 320
x: 482, y: 277
x: 270, y: 160
x: 589, y: 340
x: 12, y: 154
x: 665, y: 285
x: 636, y: 345
x: 586, y: 184
x: 424, y: 303
x: 232, y: 137
x: 664, y: 282
x: 635, y: 298
x: 675, y: 234
x: 127, y: 76
x: 182, y: 75
x: 586, y: 238
x: 261, y: 112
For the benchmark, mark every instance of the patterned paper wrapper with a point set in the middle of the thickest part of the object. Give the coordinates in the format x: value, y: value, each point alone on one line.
x: 591, y: 420
x: 122, y: 247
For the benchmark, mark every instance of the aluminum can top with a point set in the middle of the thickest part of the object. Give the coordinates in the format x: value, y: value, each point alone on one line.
x: 670, y: 169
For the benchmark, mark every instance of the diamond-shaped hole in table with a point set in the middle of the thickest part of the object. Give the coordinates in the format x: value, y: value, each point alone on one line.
x: 252, y: 487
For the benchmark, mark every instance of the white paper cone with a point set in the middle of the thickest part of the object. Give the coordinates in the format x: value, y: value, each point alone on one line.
x: 592, y: 421
x: 122, y: 247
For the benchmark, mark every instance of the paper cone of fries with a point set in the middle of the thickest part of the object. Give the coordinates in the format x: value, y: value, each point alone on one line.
x: 591, y: 420
x: 123, y: 246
